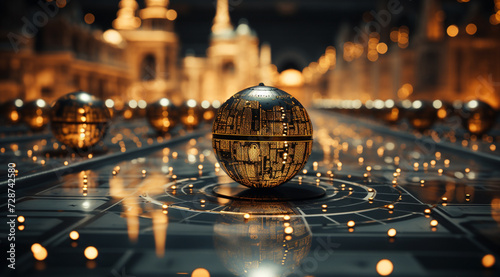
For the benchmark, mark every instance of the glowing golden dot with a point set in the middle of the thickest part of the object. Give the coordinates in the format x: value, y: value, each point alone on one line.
x: 171, y: 15
x: 390, y: 206
x: 200, y: 167
x: 467, y: 170
x: 288, y: 237
x: 65, y: 162
x: 288, y: 230
x: 471, y: 29
x: 74, y: 235
x: 246, y: 216
x: 391, y: 232
x: 382, y: 48
x: 164, y: 206
x: 368, y: 168
x: 202, y: 201
x: 350, y: 223
x: 20, y: 227
x: 286, y: 217
x: 21, y: 219
x: 190, y: 186
x: 89, y: 18
x: 434, y: 223
x: 91, y: 253
x: 452, y: 30
x: 318, y: 174
x: 384, y: 267
x: 444, y: 198
x: 39, y: 252
x: 143, y: 171
x: 324, y: 206
x: 114, y: 172
x: 304, y: 171
x: 440, y: 171
x: 488, y: 260
x: 200, y: 272
x: 173, y: 187
x: 427, y: 211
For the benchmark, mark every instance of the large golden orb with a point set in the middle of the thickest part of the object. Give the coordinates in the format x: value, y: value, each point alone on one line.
x: 79, y: 119
x: 262, y: 137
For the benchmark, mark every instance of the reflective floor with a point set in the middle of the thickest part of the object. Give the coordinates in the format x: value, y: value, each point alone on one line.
x: 371, y: 201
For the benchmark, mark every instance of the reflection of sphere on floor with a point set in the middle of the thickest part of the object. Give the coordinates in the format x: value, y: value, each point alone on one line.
x: 478, y: 117
x: 36, y: 114
x: 191, y: 114
x: 421, y: 115
x: 262, y: 137
x: 79, y: 119
x: 162, y: 115
x: 270, y: 243
x: 11, y: 111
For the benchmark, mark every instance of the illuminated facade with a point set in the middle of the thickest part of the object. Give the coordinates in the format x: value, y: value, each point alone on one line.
x: 233, y: 61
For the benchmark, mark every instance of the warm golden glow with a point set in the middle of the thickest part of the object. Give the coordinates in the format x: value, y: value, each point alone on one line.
x: 89, y: 18
x: 40, y: 253
x: 291, y: 78
x: 74, y: 235
x: 382, y: 48
x: 112, y: 36
x: 452, y: 30
x: 91, y: 253
x: 160, y: 224
x: 21, y: 219
x: 384, y: 267
x: 434, y: 223
x: 391, y: 232
x: 200, y: 272
x: 488, y: 260
x: 471, y: 29
x: 351, y: 223
x: 171, y: 15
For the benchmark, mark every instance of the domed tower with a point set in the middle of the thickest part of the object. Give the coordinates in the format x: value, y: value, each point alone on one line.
x: 152, y: 47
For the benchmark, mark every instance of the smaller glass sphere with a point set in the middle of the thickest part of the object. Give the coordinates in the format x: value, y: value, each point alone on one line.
x: 421, y: 115
x: 36, y: 114
x: 79, y: 119
x: 477, y: 117
x: 191, y: 114
x: 162, y: 115
x: 11, y: 111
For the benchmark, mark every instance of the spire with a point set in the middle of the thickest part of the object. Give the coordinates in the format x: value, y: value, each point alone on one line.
x: 222, y: 21
x: 126, y: 19
x: 155, y: 9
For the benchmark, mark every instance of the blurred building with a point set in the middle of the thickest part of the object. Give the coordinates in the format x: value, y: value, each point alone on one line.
x: 450, y: 63
x: 137, y: 59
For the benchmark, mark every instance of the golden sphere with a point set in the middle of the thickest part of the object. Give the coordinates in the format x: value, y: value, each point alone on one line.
x: 262, y: 137
x: 162, y: 115
x: 36, y: 114
x: 79, y: 119
x: 191, y: 114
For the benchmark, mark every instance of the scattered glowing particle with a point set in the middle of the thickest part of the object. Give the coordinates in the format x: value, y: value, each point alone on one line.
x: 391, y: 232
x: 40, y: 253
x: 488, y: 260
x: 21, y: 219
x: 288, y: 230
x: 427, y: 211
x: 384, y: 267
x: 324, y: 206
x: 246, y: 216
x: 434, y: 223
x: 286, y: 217
x: 200, y: 272
x: 74, y: 235
x: 91, y: 253
x: 452, y: 31
x: 350, y: 223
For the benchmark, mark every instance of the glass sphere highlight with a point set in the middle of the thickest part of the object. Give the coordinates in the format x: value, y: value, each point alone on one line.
x: 262, y: 137
x: 79, y: 119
